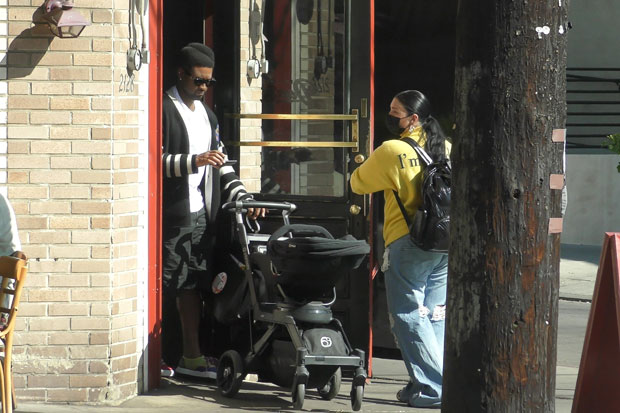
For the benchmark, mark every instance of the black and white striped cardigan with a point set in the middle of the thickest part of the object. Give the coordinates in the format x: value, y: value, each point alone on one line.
x: 219, y: 186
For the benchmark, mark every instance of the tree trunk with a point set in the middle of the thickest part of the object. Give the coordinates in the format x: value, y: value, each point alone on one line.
x: 502, y: 305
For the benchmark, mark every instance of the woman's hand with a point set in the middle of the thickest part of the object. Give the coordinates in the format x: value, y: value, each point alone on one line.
x: 212, y: 158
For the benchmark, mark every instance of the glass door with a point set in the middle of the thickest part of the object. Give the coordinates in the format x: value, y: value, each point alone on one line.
x: 307, y: 88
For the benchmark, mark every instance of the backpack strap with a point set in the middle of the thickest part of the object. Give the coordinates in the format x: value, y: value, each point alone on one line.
x: 425, y: 157
x: 402, y: 209
x: 427, y: 160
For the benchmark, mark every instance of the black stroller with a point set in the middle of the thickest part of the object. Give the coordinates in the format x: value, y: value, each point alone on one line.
x: 279, y: 293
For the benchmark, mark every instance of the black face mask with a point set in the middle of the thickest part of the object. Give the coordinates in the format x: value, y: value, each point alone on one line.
x: 391, y: 122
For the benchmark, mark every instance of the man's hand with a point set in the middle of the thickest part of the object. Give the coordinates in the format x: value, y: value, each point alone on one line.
x: 254, y: 213
x: 213, y: 158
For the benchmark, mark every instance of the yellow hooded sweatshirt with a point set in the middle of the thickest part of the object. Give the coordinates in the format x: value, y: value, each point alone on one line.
x: 394, y: 166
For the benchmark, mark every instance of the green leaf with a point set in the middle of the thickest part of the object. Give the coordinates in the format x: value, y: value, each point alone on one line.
x: 613, y: 143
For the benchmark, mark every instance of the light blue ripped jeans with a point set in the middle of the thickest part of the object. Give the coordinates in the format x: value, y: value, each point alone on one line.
x: 416, y: 282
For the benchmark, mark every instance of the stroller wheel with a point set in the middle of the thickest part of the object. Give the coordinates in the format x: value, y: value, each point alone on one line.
x: 357, y: 395
x: 230, y: 373
x: 298, y: 396
x: 332, y: 387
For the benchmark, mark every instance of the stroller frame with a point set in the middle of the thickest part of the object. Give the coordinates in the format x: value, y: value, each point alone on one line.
x: 233, y: 368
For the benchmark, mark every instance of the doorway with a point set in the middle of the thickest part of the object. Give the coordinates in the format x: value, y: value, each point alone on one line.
x: 326, y: 92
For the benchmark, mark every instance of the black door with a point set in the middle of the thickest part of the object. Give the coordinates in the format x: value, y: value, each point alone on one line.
x: 315, y: 121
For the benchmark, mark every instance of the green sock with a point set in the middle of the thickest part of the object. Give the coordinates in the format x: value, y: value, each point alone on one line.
x: 195, y: 362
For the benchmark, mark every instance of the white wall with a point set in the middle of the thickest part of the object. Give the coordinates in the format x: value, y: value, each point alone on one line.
x: 592, y: 179
x: 593, y: 184
x: 593, y: 40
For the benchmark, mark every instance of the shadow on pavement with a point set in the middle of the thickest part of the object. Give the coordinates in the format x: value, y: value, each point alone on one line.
x: 584, y: 253
x: 186, y: 395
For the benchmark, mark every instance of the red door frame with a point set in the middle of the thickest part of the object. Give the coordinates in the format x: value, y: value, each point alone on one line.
x: 374, y: 266
x: 155, y: 90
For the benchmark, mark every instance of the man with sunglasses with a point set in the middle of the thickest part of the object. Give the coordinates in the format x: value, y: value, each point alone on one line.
x: 196, y: 182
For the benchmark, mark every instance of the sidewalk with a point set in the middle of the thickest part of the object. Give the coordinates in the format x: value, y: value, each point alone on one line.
x: 578, y: 270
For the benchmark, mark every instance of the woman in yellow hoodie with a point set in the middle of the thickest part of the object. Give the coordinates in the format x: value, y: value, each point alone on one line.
x: 415, y: 279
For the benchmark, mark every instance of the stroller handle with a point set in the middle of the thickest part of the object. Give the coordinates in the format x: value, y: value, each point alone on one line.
x: 250, y: 203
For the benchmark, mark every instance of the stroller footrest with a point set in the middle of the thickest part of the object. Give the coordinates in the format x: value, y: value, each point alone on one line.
x: 352, y: 361
x: 264, y: 306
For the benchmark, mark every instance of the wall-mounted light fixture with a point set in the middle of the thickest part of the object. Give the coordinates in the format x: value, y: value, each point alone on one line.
x: 62, y: 19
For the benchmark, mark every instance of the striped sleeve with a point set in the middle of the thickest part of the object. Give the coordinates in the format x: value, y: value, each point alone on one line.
x: 178, y: 165
x: 231, y: 186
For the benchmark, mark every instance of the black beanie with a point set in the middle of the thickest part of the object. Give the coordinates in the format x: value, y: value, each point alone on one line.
x: 196, y: 54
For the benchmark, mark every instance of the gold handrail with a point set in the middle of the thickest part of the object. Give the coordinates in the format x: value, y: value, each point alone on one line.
x: 353, y: 117
x: 291, y: 116
x: 293, y: 144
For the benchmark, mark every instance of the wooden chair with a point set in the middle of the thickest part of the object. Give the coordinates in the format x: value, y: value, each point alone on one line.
x: 11, y: 269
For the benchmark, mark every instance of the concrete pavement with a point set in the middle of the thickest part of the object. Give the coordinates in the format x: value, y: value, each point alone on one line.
x: 578, y: 270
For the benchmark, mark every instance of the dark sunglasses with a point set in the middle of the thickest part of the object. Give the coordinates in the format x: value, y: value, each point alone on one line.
x: 198, y: 81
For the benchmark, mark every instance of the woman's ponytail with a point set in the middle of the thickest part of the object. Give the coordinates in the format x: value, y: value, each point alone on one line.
x: 435, y: 139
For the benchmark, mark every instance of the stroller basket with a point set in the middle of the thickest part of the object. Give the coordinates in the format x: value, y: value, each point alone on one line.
x: 311, y: 261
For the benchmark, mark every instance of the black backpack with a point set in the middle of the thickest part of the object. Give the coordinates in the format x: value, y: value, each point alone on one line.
x: 430, y: 228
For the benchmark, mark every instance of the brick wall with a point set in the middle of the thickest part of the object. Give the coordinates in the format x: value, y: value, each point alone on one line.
x: 250, y: 96
x: 72, y: 126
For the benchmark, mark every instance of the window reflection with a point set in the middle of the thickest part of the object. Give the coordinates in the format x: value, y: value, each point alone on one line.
x: 305, y: 49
